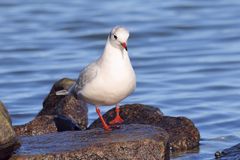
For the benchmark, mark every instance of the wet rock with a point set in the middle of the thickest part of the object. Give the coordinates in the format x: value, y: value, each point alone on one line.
x: 50, y: 102
x: 7, y: 134
x: 232, y: 153
x: 183, y: 135
x: 45, y: 124
x: 133, y: 142
x: 68, y: 106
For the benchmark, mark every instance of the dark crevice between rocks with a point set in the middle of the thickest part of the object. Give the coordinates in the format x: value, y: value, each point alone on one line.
x: 64, y: 124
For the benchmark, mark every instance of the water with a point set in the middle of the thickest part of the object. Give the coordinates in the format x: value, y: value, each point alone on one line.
x: 185, y: 54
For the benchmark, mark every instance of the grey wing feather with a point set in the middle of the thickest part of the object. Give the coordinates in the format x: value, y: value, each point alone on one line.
x: 86, y: 76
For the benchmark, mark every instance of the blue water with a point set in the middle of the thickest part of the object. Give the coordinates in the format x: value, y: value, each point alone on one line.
x: 186, y: 55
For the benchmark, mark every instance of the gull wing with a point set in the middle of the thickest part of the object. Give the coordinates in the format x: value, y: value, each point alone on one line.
x: 86, y: 76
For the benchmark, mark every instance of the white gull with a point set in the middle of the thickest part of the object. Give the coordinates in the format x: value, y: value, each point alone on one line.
x: 109, y: 79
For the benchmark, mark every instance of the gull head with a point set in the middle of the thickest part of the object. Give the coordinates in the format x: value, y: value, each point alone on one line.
x: 118, y: 37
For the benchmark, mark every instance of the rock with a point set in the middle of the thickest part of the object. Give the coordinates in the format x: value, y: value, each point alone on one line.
x: 52, y: 99
x: 131, y: 142
x: 5, y: 113
x: 45, y: 124
x: 74, y: 110
x: 40, y: 125
x: 133, y: 113
x: 59, y: 113
x: 218, y: 154
x: 7, y: 134
x: 183, y: 135
x: 67, y: 106
x: 232, y: 153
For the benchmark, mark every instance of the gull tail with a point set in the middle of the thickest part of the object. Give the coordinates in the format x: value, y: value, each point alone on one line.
x: 65, y: 92
x: 62, y: 92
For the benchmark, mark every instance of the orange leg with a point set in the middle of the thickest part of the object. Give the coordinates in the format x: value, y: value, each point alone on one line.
x: 117, y: 119
x: 105, y: 126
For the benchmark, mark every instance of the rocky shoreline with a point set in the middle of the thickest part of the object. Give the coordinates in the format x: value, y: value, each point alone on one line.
x: 60, y: 131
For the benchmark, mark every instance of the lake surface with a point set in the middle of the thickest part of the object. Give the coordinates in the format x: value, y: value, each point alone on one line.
x: 186, y: 55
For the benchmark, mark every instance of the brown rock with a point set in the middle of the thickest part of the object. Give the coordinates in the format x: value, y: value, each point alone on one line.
x: 183, y: 135
x: 133, y: 113
x: 40, y: 125
x: 7, y: 134
x: 44, y: 125
x: 131, y: 142
x: 59, y: 113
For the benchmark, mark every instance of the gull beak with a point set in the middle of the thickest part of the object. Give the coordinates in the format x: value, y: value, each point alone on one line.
x: 124, y: 45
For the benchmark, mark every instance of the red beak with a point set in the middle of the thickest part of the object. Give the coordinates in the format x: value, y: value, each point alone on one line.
x: 124, y: 45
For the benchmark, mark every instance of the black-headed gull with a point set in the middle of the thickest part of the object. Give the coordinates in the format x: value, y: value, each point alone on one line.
x: 109, y: 79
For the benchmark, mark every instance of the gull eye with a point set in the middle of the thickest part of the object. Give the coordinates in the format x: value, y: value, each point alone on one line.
x: 115, y: 37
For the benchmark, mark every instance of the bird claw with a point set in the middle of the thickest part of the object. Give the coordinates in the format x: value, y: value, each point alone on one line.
x: 117, y: 120
x: 107, y: 128
x: 112, y: 127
